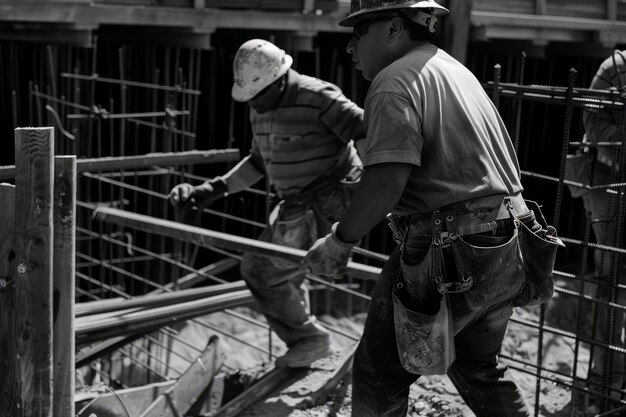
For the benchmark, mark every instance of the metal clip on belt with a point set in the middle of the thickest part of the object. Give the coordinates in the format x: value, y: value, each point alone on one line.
x: 466, y: 278
x: 397, y: 231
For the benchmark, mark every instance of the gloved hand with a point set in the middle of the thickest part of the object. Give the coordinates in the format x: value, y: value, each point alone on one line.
x: 328, y: 256
x: 201, y: 195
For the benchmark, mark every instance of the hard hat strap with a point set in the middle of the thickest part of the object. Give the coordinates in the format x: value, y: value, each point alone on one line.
x: 426, y: 19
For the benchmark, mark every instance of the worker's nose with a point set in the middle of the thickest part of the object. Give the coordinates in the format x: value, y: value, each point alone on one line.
x: 351, y: 48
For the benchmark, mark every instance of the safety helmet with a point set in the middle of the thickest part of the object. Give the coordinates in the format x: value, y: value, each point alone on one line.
x: 257, y: 64
x: 426, y: 10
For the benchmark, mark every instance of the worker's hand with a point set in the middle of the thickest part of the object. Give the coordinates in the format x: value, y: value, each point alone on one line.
x: 328, y: 256
x: 199, y: 196
x: 180, y: 194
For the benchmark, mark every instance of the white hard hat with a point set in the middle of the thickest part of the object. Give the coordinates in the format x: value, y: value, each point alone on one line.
x: 359, y: 8
x: 257, y: 64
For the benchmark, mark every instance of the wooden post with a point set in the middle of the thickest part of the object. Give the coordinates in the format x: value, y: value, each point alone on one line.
x: 457, y: 28
x: 33, y: 271
x: 9, y: 382
x: 611, y: 10
x: 540, y: 7
x: 64, y: 215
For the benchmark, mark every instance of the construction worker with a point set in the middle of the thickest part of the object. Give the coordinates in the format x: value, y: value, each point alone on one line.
x: 439, y: 158
x: 601, y: 125
x: 303, y: 131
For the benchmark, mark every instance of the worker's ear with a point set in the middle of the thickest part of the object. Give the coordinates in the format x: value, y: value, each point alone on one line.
x: 395, y: 28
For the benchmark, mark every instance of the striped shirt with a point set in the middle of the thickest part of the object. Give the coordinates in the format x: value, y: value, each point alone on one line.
x: 307, y: 136
x: 601, y: 124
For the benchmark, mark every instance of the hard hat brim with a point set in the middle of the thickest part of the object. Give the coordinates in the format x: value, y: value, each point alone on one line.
x: 438, y: 10
x: 240, y: 94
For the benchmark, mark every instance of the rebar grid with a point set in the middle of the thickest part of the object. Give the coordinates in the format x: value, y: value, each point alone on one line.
x: 143, y: 190
x: 571, y: 98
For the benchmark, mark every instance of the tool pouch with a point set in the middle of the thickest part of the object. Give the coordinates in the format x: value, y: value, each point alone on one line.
x: 495, y: 267
x: 296, y: 230
x: 539, y: 254
x: 425, y: 342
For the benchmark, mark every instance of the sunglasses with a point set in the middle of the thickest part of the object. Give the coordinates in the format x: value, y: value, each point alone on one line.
x: 361, y: 28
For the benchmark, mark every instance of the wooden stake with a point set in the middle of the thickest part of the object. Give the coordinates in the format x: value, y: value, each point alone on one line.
x: 33, y: 276
x: 9, y: 381
x: 64, y: 214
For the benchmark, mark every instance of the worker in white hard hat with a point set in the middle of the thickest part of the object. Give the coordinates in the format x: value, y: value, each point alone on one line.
x: 303, y: 131
x: 438, y: 157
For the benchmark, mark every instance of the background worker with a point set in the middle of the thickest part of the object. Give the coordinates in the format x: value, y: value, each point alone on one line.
x: 303, y: 129
x: 435, y: 144
x: 601, y: 125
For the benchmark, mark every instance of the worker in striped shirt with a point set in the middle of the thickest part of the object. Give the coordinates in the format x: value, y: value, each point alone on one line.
x: 303, y: 142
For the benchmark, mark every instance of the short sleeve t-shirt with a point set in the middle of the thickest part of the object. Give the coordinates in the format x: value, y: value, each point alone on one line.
x: 428, y: 110
x: 308, y: 135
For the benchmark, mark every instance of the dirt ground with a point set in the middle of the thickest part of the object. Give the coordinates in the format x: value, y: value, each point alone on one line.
x: 431, y: 396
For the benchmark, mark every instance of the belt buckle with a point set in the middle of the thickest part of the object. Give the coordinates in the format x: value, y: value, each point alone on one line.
x: 456, y: 286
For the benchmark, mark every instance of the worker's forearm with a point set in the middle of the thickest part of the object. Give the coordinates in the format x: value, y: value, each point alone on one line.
x: 379, y: 190
x: 242, y: 176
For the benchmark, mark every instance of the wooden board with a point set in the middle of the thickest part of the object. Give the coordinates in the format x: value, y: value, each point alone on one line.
x: 33, y: 249
x: 9, y: 382
x: 64, y: 215
x: 143, y: 161
x: 183, y: 395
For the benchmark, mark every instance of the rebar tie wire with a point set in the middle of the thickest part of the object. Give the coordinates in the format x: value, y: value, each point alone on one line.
x: 112, y: 391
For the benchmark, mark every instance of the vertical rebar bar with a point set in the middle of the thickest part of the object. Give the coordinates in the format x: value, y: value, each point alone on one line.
x: 567, y: 124
x: 582, y: 268
x: 518, y: 104
x: 569, y: 107
x: 617, y: 239
x: 495, y: 95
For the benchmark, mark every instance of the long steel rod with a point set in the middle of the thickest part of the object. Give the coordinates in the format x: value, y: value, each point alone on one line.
x: 159, y: 300
x: 176, y: 89
x: 209, y: 238
x: 142, y: 321
x: 164, y: 258
x: 139, y: 115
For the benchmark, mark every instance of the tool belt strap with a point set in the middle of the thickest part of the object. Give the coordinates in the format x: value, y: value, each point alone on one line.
x: 474, y: 216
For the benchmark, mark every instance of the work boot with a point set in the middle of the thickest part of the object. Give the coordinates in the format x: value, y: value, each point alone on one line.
x: 304, y: 352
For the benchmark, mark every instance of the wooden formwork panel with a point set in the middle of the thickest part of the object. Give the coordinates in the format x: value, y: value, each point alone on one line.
x: 590, y: 9
x: 509, y: 6
x: 288, y: 5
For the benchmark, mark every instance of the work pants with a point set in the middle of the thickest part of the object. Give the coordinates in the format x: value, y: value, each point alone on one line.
x: 380, y: 383
x: 603, y: 208
x: 279, y: 286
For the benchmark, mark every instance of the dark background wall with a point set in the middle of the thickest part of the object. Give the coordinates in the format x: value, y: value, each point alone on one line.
x: 219, y: 122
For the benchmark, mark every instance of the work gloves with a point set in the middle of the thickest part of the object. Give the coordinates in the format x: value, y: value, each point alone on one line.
x: 328, y: 256
x: 199, y: 196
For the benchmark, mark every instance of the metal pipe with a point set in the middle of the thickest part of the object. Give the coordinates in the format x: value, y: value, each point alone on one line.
x: 159, y: 300
x: 151, y: 319
x: 209, y: 238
